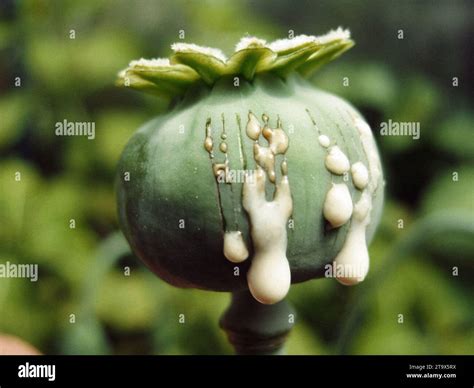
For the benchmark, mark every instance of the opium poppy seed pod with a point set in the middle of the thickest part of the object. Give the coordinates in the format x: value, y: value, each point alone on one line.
x: 254, y: 179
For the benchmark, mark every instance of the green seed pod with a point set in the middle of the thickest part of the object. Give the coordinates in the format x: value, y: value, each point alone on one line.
x: 254, y: 178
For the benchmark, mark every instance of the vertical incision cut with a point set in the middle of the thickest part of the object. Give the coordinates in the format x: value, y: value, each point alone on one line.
x: 354, y: 252
x: 269, y: 276
x: 352, y: 262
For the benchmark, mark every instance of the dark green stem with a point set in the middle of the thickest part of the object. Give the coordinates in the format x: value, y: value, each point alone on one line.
x: 255, y: 328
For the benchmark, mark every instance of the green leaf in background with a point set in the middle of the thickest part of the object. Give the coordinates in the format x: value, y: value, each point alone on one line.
x: 303, y: 341
x: 48, y: 236
x: 14, y: 109
x: 85, y: 64
x: 201, y: 310
x: 453, y: 189
x: 454, y: 135
x: 449, y: 194
x: 113, y: 130
x: 417, y: 101
x: 429, y: 301
x: 369, y: 84
x: 86, y: 337
x: 6, y: 34
x: 23, y: 312
x: 126, y: 302
x: 21, y: 182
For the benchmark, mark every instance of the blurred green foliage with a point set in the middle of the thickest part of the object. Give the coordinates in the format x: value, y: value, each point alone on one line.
x: 82, y: 269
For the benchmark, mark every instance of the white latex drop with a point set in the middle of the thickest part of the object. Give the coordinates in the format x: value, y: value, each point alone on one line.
x: 338, y: 205
x: 235, y: 249
x: 277, y: 139
x: 336, y: 161
x: 354, y: 254
x: 253, y: 128
x: 324, y: 141
x: 265, y: 159
x: 360, y: 175
x: 269, y: 276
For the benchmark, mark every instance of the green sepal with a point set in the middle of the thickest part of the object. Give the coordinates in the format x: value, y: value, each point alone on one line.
x: 191, y: 64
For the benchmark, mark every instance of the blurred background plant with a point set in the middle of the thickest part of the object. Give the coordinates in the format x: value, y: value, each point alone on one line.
x: 82, y: 269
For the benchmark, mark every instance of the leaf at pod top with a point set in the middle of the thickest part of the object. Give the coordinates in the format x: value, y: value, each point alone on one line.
x: 191, y: 63
x: 158, y: 77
